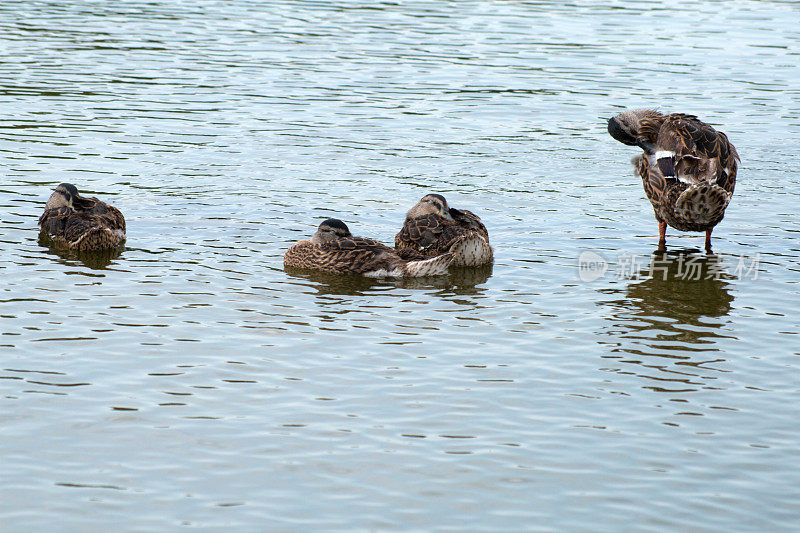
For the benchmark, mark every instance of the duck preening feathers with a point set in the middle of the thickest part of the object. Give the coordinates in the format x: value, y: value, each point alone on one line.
x: 688, y: 168
x: 334, y: 249
x: 79, y: 223
x: 432, y: 227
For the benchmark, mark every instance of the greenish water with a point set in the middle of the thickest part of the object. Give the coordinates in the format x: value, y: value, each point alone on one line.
x: 190, y: 382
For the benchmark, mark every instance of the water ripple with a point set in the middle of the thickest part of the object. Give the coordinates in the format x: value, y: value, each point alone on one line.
x: 189, y: 380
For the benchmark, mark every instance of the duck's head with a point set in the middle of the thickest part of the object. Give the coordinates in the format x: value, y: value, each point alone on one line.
x: 431, y: 204
x: 63, y: 196
x: 330, y: 230
x: 625, y: 126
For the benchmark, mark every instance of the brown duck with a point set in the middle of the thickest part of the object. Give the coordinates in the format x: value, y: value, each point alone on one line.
x: 334, y: 249
x: 432, y: 228
x: 688, y: 168
x: 80, y: 223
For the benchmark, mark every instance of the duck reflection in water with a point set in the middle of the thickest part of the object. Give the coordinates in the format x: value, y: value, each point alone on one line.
x: 459, y: 280
x: 669, y: 319
x: 96, y: 260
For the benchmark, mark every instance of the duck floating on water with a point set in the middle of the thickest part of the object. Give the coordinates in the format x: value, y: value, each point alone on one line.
x: 432, y: 227
x: 688, y: 168
x: 334, y: 249
x: 79, y: 223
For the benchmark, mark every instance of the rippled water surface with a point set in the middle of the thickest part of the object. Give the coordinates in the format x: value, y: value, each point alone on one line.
x: 190, y: 381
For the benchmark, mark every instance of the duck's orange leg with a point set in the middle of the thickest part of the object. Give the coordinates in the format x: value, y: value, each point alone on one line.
x: 662, y: 236
x: 708, y: 240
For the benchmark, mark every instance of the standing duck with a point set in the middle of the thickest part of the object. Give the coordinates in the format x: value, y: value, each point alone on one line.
x: 432, y: 228
x: 334, y: 249
x: 80, y: 223
x: 688, y: 168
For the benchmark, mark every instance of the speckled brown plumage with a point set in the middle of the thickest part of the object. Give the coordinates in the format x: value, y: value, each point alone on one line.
x: 82, y: 224
x: 688, y: 168
x: 432, y: 227
x: 334, y: 249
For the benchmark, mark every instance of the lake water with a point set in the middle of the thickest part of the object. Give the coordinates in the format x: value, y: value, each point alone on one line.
x: 189, y: 382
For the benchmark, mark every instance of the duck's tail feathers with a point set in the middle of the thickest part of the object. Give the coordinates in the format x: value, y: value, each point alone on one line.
x: 703, y: 203
x: 471, y: 250
x: 436, y: 266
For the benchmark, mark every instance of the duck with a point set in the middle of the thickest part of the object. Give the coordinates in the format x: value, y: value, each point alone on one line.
x: 432, y: 227
x: 79, y: 223
x: 687, y: 167
x: 334, y: 249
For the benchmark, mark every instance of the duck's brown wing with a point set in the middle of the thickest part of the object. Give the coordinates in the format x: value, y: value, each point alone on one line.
x: 360, y: 244
x: 688, y: 135
x: 103, y: 214
x: 469, y: 220
x: 418, y: 233
x: 430, y: 235
x: 54, y: 221
x: 686, y: 143
x: 356, y: 255
x: 79, y: 226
